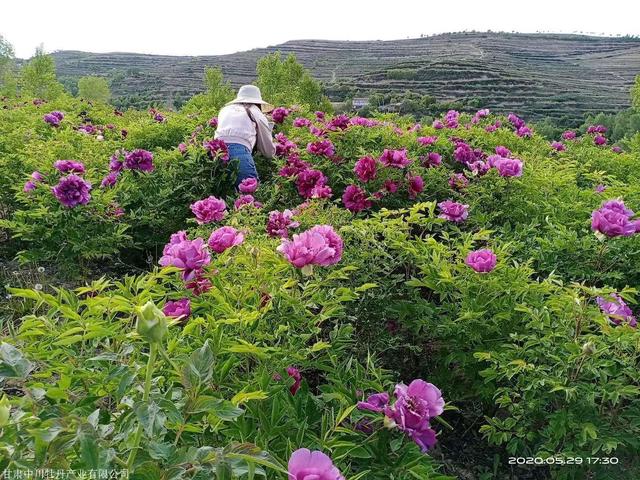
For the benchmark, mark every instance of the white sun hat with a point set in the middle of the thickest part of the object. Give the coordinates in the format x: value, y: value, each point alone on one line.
x: 250, y: 94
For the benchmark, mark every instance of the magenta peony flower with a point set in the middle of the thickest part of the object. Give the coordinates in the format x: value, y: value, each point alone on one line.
x: 458, y: 181
x: 294, y: 373
x: 293, y: 166
x: 391, y: 186
x: 616, y: 149
x: 355, y: 199
x: 465, y: 154
x: 301, y: 122
x: 427, y: 140
x: 72, y: 191
x: 364, y: 122
x: 307, y: 465
x: 516, y: 121
x: 189, y: 255
x: 279, y: 114
x: 508, y: 167
x: 596, y: 129
x: 320, y: 245
x: 437, y: 124
x: 321, y: 148
x: 558, y: 146
x: 599, y: 140
x: 217, y: 149
x: 366, y: 168
x: 246, y: 200
x: 600, y: 188
x: 453, y: 211
x: 503, y: 151
x: 199, y: 284
x: 177, y: 309
x: 479, y: 167
x: 451, y: 119
x: 248, y: 185
x: 414, y: 407
x: 415, y: 185
x: 431, y: 160
x: 320, y: 116
x: 210, y: 209
x: 569, y: 135
x: 213, y: 122
x: 524, y: 131
x: 284, y: 146
x: 617, y: 310
x: 613, y: 219
x: 29, y: 186
x: 37, y: 177
x: 139, y: 159
x: 394, y: 158
x: 182, y: 148
x: 375, y: 403
x: 109, y: 180
x: 158, y: 117
x: 308, y: 180
x: 339, y: 122
x: 54, y: 118
x: 279, y: 223
x: 224, y: 238
x: 482, y: 261
x: 69, y: 166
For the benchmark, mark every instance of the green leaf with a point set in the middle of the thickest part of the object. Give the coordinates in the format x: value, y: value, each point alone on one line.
x: 13, y: 364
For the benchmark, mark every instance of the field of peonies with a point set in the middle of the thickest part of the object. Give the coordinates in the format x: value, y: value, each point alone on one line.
x: 389, y: 301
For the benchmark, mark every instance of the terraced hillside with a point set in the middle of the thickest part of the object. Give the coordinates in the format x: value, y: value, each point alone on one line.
x: 537, y: 75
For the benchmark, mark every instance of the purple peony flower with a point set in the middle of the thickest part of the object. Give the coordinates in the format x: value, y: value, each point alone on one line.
x: 307, y: 465
x: 279, y: 114
x: 210, y: 209
x: 279, y: 223
x: 246, y: 200
x: 37, y: 177
x: 284, y: 146
x: 72, y: 191
x: 524, y: 131
x: 321, y: 148
x: 217, y: 149
x: 320, y: 116
x: 508, y: 167
x: 366, y: 168
x: 465, y: 154
x: 617, y: 310
x: 558, y: 146
x: 431, y: 160
x: 600, y: 188
x: 189, y: 255
x: 453, y: 211
x: 308, y: 180
x: 395, y: 158
x: 482, y: 261
x: 599, y: 140
x: 53, y: 118
x: 213, y: 122
x: 616, y: 149
x: 451, y: 119
x: 29, y: 186
x: 109, y: 180
x: 248, y: 185
x: 69, y: 166
x: 458, y: 181
x: 596, y: 129
x: 355, y: 199
x: 375, y: 403
x: 301, y: 122
x: 516, y: 121
x: 320, y: 245
x: 139, y: 159
x: 437, y: 124
x: 339, y: 122
x: 415, y: 185
x: 177, y: 309
x: 294, y: 373
x: 425, y: 141
x: 569, y: 135
x: 415, y: 406
x: 503, y: 151
x: 613, y: 219
x: 224, y: 238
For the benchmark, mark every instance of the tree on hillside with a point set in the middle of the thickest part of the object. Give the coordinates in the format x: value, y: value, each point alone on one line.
x: 8, y: 80
x: 38, y: 77
x: 218, y: 92
x: 94, y: 89
x: 287, y: 82
x: 635, y: 94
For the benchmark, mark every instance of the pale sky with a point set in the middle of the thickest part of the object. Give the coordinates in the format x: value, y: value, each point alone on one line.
x: 189, y: 27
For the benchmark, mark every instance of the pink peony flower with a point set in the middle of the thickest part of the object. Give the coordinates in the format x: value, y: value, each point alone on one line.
x: 437, y: 124
x: 375, y: 403
x: 109, y: 180
x: 613, y: 219
x: 248, y: 185
x: 339, y: 122
x: 213, y: 122
x: 427, y: 140
x: 189, y: 255
x: 217, y: 149
x: 617, y: 310
x: 599, y: 140
x: 355, y: 199
x: 29, y: 186
x: 503, y: 151
x: 415, y: 185
x: 431, y: 160
x: 453, y: 211
x: 395, y: 158
x: 366, y: 168
x: 320, y: 245
x: 558, y: 146
x: 616, y: 149
x: 279, y: 223
x: 279, y: 114
x: 569, y: 135
x: 482, y: 261
x: 308, y: 180
x: 508, y: 167
x: 321, y: 148
x: 458, y: 181
x: 307, y: 465
x: 301, y: 122
x: 294, y: 373
x: 210, y: 209
x: 69, y: 166
x: 246, y: 200
x: 224, y: 238
x: 177, y: 309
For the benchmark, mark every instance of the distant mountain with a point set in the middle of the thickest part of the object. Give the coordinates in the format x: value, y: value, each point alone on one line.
x: 536, y: 75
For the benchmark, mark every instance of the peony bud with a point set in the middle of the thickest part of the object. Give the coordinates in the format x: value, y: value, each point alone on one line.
x: 588, y: 349
x: 152, y: 323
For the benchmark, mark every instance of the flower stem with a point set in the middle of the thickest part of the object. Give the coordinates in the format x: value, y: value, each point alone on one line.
x: 145, y: 398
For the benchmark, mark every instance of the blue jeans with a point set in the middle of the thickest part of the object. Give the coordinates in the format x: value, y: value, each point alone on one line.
x: 246, y: 166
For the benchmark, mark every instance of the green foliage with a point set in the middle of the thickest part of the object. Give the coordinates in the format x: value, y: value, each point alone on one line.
x: 217, y: 93
x: 635, y: 93
x: 38, y: 77
x: 95, y: 89
x: 287, y: 82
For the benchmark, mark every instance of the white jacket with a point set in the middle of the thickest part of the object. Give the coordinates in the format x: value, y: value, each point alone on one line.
x: 235, y: 126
